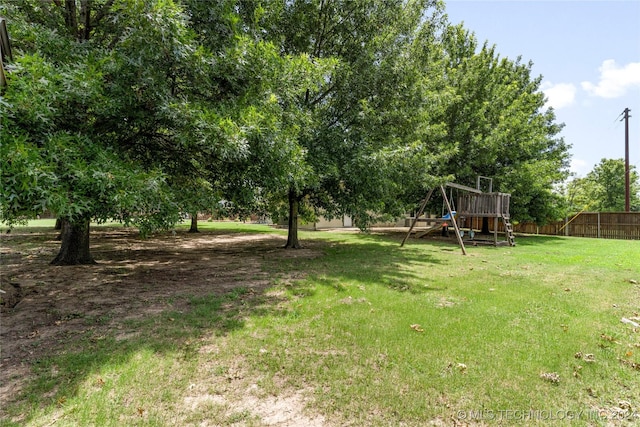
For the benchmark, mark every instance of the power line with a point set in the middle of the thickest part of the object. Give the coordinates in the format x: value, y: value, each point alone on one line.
x: 619, y: 115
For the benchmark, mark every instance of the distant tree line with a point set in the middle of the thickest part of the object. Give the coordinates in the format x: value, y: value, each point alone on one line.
x: 603, y: 189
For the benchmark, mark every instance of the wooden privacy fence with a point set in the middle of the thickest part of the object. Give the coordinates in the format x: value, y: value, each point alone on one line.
x: 604, y: 225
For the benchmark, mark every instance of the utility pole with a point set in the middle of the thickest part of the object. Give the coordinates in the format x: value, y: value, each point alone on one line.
x: 627, y: 202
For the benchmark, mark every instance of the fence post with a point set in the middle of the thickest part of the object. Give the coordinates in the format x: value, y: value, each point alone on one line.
x: 598, y: 224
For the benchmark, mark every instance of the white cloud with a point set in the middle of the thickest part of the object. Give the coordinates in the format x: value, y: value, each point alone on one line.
x: 559, y: 95
x: 614, y: 80
x: 579, y: 167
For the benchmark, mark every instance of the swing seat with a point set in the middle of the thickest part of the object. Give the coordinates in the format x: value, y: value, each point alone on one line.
x: 448, y: 216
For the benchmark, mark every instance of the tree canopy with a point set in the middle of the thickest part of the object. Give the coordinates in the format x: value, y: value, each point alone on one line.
x: 130, y: 110
x: 352, y: 91
x: 497, y: 124
x: 96, y: 117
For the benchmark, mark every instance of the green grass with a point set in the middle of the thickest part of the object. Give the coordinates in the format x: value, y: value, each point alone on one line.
x: 375, y: 334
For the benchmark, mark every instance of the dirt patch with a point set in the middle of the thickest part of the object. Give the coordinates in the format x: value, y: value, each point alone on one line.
x: 43, y: 305
x: 10, y: 296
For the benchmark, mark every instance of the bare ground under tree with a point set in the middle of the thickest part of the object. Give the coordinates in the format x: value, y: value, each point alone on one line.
x: 45, y: 306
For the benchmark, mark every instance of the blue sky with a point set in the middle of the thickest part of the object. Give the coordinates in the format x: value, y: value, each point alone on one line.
x: 588, y: 53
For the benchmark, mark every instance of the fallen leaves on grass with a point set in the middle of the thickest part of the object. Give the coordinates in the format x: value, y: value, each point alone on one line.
x: 623, y: 404
x: 607, y: 338
x: 588, y: 357
x: 416, y: 327
x: 445, y: 303
x: 624, y: 411
x: 460, y: 367
x: 576, y: 371
x: 552, y: 377
x: 631, y: 364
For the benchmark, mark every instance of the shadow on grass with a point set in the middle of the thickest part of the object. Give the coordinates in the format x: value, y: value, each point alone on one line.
x: 531, y: 240
x: 57, y: 377
x: 164, y: 294
x: 486, y: 241
x: 369, y: 258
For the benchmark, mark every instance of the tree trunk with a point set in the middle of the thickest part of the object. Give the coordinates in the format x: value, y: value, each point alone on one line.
x: 70, y: 16
x: 485, y: 226
x: 292, y: 235
x: 58, y: 227
x: 85, y: 19
x: 194, y: 223
x: 74, y: 249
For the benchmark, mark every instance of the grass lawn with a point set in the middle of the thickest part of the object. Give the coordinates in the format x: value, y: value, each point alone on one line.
x: 367, y: 333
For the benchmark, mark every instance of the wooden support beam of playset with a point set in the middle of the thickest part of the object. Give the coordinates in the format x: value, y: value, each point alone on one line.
x: 453, y: 220
x: 463, y: 187
x: 451, y: 216
x: 420, y: 211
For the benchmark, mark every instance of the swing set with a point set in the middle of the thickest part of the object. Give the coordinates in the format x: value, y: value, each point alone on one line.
x: 472, y: 203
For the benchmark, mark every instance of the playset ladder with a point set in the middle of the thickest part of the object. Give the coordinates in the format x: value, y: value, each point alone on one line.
x: 510, y: 237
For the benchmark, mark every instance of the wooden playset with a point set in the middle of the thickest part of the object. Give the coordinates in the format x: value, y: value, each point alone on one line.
x: 472, y: 203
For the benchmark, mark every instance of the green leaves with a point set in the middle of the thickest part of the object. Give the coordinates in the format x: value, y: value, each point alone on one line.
x: 603, y: 189
x: 339, y: 95
x: 495, y: 118
x: 354, y: 107
x: 92, y: 129
x: 25, y: 179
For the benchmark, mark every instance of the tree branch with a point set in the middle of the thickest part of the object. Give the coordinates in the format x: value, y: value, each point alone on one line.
x: 325, y: 19
x: 323, y: 95
x: 102, y: 12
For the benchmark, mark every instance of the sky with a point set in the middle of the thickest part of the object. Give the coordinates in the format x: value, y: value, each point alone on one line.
x: 588, y: 53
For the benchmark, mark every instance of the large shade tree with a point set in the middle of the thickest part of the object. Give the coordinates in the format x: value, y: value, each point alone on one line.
x: 498, y: 125
x: 372, y: 101
x: 103, y: 105
x: 348, y: 131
